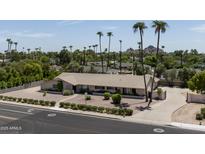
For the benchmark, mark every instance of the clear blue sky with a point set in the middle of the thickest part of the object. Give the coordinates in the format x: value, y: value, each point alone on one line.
x: 52, y: 35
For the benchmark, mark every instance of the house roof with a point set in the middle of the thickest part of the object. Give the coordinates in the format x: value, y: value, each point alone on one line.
x: 109, y: 80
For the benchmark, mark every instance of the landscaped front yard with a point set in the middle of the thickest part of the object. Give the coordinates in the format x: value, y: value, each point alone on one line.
x: 133, y: 104
x: 36, y: 94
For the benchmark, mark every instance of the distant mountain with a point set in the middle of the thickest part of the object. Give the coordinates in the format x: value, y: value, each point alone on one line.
x: 151, y: 49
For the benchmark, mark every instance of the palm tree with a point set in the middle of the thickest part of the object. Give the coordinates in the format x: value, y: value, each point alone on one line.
x: 160, y: 27
x: 15, y: 43
x: 100, y: 34
x: 141, y: 26
x: 84, y: 56
x: 71, y: 48
x: 93, y: 47
x: 28, y: 50
x: 109, y: 34
x: 120, y: 56
x: 89, y: 47
x: 8, y: 40
x: 11, y: 43
x: 180, y: 54
x: 64, y: 47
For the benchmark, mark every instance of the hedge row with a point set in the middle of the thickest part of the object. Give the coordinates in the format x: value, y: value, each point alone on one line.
x: 84, y: 107
x: 28, y: 101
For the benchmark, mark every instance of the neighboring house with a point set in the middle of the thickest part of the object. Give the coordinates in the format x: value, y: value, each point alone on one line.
x: 99, y: 83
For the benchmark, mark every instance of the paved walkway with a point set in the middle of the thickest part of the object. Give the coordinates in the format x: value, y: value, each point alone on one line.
x: 162, y: 111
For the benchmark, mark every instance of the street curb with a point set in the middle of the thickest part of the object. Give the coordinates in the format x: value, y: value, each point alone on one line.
x: 62, y: 110
x: 188, y: 126
x: 148, y: 122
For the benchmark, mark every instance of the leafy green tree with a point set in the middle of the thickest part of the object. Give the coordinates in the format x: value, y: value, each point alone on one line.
x: 44, y: 59
x: 65, y: 56
x: 185, y: 75
x: 74, y: 67
x: 160, y: 70
x: 197, y: 82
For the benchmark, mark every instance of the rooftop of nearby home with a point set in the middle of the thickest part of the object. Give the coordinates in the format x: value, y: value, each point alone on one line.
x: 108, y: 80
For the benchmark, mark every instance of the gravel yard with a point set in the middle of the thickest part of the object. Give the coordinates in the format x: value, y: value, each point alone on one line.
x: 187, y: 114
x: 34, y: 93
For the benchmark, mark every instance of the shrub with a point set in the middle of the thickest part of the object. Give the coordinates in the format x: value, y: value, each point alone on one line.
x: 42, y: 102
x: 19, y: 99
x: 121, y: 112
x: 116, y: 98
x: 94, y: 108
x: 67, y: 92
x: 108, y: 110
x: 65, y: 105
x: 10, y: 98
x: 101, y: 109
x: 114, y: 111
x: 87, y: 97
x: 30, y: 101
x: 1, y: 97
x: 88, y: 107
x: 36, y: 102
x: 46, y: 103
x: 25, y: 100
x: 128, y: 112
x: 106, y: 96
x: 74, y: 107
x: 199, y: 116
x: 81, y: 107
x: 14, y: 99
x: 52, y: 103
x: 62, y: 104
x: 203, y: 112
x: 159, y: 91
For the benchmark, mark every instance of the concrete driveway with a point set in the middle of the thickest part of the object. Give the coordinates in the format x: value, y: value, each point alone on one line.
x: 162, y: 111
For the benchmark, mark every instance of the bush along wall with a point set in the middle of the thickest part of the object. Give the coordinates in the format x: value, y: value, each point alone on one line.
x: 28, y: 101
x: 84, y: 107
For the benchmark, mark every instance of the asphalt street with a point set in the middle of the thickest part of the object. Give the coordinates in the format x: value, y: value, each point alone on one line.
x: 17, y: 119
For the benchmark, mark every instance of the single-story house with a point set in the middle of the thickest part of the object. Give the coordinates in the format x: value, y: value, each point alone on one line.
x: 127, y: 84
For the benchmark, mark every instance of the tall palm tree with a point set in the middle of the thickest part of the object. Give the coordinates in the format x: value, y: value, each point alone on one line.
x: 28, y: 50
x: 64, y: 47
x: 11, y: 43
x: 100, y: 34
x: 109, y: 34
x: 141, y: 27
x: 93, y: 47
x: 15, y: 43
x: 96, y: 48
x: 114, y: 59
x: 71, y: 48
x: 84, y: 55
x: 8, y: 41
x: 160, y: 27
x: 89, y: 47
x: 120, y: 56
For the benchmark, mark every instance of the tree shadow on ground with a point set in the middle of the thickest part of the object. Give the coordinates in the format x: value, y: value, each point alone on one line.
x: 142, y: 108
